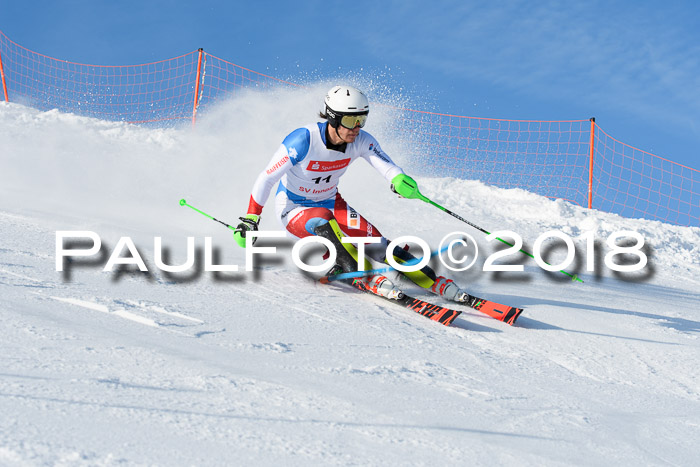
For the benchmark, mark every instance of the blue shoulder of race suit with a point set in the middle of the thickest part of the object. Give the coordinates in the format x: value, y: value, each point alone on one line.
x: 297, y: 144
x: 322, y: 130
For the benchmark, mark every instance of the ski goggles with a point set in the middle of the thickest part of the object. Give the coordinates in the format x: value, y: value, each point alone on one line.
x: 351, y: 121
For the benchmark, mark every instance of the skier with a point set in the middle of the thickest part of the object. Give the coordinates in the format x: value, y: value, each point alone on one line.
x: 308, y: 166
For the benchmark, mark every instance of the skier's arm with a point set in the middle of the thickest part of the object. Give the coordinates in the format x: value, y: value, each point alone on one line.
x: 378, y: 159
x: 401, y: 183
x: 276, y: 168
x: 293, y: 149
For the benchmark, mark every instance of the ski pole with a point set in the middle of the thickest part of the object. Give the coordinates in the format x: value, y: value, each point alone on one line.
x: 184, y: 203
x: 416, y: 194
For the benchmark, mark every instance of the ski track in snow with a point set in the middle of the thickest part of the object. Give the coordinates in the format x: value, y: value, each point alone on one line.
x: 104, y: 368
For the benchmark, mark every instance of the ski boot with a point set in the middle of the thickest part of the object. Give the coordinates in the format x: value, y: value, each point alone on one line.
x: 448, y: 289
x: 380, y: 285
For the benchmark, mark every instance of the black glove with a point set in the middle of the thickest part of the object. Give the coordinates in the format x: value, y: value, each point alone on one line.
x: 249, y: 222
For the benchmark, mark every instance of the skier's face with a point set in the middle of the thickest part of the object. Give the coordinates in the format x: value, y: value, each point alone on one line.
x: 348, y: 135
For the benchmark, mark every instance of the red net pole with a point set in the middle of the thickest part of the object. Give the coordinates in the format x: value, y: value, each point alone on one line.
x: 590, y: 164
x: 4, y: 84
x: 196, y: 86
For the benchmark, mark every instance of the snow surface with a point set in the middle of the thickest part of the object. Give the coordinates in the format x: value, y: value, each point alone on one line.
x: 271, y: 368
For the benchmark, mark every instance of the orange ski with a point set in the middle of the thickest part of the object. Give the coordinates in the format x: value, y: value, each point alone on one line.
x: 505, y: 313
x: 434, y: 312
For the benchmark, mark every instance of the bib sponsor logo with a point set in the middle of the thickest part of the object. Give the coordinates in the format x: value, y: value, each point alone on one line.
x: 353, y: 219
x: 379, y: 153
x: 327, y: 166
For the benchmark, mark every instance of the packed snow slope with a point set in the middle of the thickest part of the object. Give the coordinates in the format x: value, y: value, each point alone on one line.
x: 269, y: 367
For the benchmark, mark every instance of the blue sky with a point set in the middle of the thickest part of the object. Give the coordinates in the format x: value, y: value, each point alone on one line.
x: 632, y: 64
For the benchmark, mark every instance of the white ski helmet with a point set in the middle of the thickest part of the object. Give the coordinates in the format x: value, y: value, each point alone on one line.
x: 346, y: 101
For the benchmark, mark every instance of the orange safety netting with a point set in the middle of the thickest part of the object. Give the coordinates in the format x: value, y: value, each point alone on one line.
x: 221, y: 79
x: 161, y: 91
x: 136, y: 93
x: 572, y: 160
x: 635, y: 183
x: 546, y: 157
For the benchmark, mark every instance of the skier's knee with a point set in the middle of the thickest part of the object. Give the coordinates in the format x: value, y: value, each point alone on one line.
x: 313, y: 223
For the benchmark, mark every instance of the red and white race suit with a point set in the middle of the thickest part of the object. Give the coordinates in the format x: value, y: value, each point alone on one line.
x: 308, y: 172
